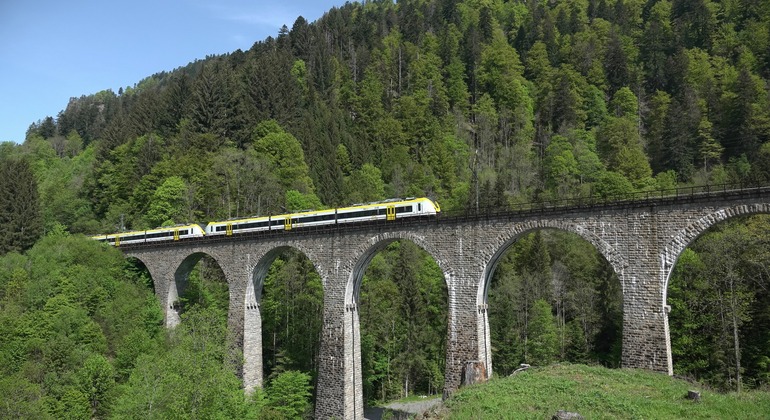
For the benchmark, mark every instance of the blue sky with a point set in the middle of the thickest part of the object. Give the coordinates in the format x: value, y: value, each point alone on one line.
x: 51, y: 50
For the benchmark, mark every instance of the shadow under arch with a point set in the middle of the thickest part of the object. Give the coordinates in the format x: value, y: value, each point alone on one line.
x: 253, y: 363
x: 604, y: 249
x: 362, y: 258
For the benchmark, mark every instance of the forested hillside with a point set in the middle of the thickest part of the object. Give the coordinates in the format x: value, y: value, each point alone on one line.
x: 478, y: 104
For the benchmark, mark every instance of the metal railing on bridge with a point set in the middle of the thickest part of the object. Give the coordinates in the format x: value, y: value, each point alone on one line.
x: 595, y: 201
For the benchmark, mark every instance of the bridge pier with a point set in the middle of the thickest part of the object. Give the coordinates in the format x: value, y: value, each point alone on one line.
x: 251, y: 343
x: 646, y: 341
x: 638, y: 236
x: 467, y: 326
x: 339, y: 389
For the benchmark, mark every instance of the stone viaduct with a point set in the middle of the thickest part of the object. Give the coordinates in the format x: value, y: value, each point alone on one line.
x: 641, y: 239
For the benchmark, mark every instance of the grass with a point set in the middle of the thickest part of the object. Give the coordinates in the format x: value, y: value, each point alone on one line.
x: 599, y: 393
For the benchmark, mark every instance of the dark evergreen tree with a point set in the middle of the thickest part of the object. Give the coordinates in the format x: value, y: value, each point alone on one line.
x: 21, y: 223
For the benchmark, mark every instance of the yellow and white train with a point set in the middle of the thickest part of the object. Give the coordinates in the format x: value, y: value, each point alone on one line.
x: 384, y: 210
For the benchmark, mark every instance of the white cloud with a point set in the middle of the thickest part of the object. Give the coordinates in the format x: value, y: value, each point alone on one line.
x: 260, y: 13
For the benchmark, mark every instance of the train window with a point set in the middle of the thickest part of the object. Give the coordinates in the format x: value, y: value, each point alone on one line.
x: 252, y: 225
x: 365, y: 213
x: 404, y: 209
x: 419, y: 206
x: 321, y: 218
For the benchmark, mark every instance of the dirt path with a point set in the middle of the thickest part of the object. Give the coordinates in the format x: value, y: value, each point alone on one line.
x: 412, y: 407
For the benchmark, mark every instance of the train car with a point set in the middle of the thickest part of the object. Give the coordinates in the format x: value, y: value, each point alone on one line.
x: 174, y: 233
x: 385, y: 210
x: 253, y: 224
x: 388, y: 210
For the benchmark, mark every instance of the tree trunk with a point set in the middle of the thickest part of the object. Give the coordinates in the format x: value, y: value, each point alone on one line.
x: 736, y: 339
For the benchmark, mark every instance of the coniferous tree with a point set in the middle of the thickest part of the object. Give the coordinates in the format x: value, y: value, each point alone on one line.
x: 21, y: 223
x: 542, y: 345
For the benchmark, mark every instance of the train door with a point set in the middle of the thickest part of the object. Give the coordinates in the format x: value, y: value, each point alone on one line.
x: 117, y: 240
x: 390, y: 213
x: 229, y: 229
x: 176, y: 234
x: 287, y: 222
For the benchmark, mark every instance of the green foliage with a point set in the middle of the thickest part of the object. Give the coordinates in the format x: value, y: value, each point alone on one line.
x: 297, y: 201
x: 560, y: 165
x: 289, y: 394
x: 403, y: 317
x: 20, y: 219
x: 187, y: 378
x: 292, y: 314
x: 624, y: 103
x: 516, y: 101
x: 68, y: 307
x: 365, y: 185
x: 541, y: 346
x: 613, y: 186
x: 285, y: 154
x: 546, y: 273
x: 718, y: 315
x: 620, y: 147
x: 169, y: 203
x: 597, y: 392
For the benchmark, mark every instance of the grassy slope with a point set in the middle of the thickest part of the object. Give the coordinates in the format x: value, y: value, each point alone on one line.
x: 597, y: 393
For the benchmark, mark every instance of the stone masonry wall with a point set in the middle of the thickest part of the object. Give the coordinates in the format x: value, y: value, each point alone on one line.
x: 641, y: 243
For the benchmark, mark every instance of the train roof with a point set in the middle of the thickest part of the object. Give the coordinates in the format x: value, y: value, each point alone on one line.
x: 142, y: 232
x: 390, y: 202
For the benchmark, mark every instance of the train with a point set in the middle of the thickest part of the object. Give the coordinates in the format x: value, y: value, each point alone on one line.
x: 387, y: 210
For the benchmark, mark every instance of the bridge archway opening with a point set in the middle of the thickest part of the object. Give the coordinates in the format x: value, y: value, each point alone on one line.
x: 718, y: 295
x: 399, y: 303
x: 199, y: 286
x: 139, y: 273
x: 284, y: 317
x: 551, y: 296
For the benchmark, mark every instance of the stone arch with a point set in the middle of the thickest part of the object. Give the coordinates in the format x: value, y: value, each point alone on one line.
x: 683, y: 238
x: 508, y: 237
x: 253, y: 369
x: 672, y: 250
x: 153, y: 281
x: 362, y: 255
x: 179, y: 285
x: 359, y: 260
x: 258, y: 270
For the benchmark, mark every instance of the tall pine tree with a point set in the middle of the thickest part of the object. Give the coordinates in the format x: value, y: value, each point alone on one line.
x: 21, y: 223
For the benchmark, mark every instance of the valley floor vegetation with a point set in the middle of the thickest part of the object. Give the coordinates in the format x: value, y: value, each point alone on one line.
x: 480, y: 105
x: 599, y: 393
